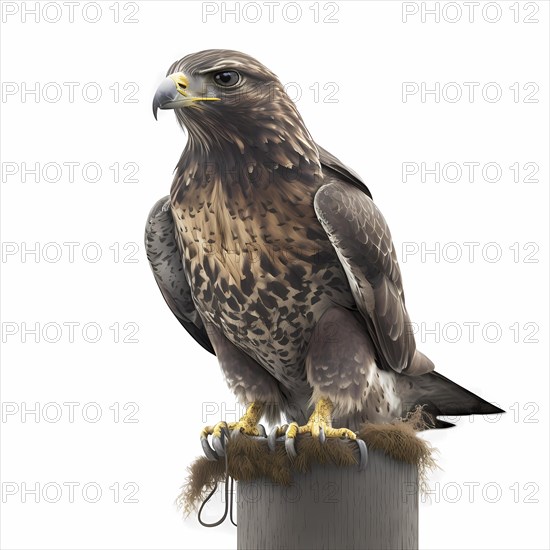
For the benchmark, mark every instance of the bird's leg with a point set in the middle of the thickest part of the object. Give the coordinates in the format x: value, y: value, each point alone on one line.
x: 248, y: 424
x: 319, y: 426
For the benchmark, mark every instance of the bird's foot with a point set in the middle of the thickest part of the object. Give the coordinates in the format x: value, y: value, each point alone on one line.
x: 320, y: 427
x: 221, y: 431
x: 276, y: 433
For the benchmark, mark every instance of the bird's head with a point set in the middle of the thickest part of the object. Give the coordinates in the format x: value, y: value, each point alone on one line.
x: 227, y: 98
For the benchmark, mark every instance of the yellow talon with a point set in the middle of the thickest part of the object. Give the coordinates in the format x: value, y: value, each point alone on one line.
x: 320, y: 427
x: 248, y: 424
x: 321, y: 418
x: 292, y: 430
x: 206, y: 431
x: 341, y: 432
x: 218, y: 429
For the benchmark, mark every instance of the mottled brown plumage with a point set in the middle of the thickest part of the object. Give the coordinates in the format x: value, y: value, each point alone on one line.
x: 287, y: 268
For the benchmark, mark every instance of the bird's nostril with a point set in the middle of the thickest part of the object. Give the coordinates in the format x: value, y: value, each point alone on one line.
x: 183, y: 86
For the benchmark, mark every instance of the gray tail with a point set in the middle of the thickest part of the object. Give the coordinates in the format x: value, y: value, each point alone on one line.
x: 440, y: 396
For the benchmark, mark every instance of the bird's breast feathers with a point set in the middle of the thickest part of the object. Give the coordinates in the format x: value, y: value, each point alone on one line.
x: 260, y: 267
x: 246, y: 232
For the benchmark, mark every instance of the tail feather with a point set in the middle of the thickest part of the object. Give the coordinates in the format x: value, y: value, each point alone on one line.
x: 440, y: 396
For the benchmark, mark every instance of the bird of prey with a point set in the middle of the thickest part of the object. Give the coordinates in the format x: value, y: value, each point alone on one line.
x: 274, y: 257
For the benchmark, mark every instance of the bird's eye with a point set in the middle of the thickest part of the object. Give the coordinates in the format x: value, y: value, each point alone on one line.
x: 227, y: 78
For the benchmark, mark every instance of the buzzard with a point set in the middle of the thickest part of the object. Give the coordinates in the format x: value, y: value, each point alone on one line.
x: 274, y: 257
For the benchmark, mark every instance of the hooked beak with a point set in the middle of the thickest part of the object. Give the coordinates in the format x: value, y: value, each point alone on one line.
x: 173, y: 93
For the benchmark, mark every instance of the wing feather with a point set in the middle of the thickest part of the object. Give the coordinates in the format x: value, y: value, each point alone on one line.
x: 362, y: 240
x: 336, y: 167
x: 165, y: 261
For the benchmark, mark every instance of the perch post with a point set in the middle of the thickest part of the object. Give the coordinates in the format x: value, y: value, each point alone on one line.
x: 332, y: 508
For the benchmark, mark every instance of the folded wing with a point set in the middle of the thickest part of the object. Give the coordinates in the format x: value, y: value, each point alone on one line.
x: 362, y: 240
x: 165, y: 260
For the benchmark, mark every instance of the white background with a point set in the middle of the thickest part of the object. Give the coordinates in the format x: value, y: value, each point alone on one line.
x: 368, y: 53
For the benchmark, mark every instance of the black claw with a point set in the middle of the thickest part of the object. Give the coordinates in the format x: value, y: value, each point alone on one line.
x: 261, y: 430
x: 290, y: 448
x: 322, y: 436
x: 272, y: 439
x: 218, y: 444
x: 363, y: 454
x: 208, y: 451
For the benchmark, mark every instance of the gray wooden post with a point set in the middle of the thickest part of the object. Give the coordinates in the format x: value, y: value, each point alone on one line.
x: 332, y: 508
